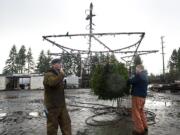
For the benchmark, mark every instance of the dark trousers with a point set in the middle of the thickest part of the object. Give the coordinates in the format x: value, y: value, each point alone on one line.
x: 58, y: 117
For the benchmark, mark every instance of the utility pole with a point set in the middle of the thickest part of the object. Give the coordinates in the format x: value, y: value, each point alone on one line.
x: 162, y: 43
x: 90, y: 25
x: 89, y: 17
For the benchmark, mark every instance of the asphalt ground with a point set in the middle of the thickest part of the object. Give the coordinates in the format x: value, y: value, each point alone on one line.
x: 21, y: 113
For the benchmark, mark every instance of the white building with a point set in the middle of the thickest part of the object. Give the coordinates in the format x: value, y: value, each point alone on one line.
x: 3, y: 82
x: 72, y: 81
x: 36, y: 82
x: 33, y: 81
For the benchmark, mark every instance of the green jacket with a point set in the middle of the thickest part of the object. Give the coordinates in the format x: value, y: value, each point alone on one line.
x: 54, y: 89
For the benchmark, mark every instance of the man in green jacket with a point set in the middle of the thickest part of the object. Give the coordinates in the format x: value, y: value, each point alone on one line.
x: 54, y: 100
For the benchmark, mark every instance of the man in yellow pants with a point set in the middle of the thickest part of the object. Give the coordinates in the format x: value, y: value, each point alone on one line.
x: 139, y: 92
x: 54, y: 100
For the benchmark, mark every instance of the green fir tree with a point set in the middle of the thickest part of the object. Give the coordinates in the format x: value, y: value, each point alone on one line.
x: 30, y: 62
x: 10, y: 67
x: 44, y: 62
x: 21, y: 59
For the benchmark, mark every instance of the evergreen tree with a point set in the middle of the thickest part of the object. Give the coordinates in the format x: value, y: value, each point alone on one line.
x: 48, y: 60
x: 178, y: 61
x: 40, y: 64
x: 174, y: 66
x: 77, y: 64
x: 21, y: 59
x: 10, y: 67
x: 71, y: 63
x: 30, y: 62
x: 112, y: 58
x: 67, y: 61
x: 102, y: 58
x: 173, y: 61
x: 108, y: 79
x: 43, y: 62
x: 94, y: 61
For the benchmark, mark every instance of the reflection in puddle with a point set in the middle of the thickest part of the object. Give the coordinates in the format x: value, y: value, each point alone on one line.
x: 159, y: 103
x: 84, y: 109
x: 2, y: 115
x: 37, y: 114
x: 105, y: 118
x: 34, y: 114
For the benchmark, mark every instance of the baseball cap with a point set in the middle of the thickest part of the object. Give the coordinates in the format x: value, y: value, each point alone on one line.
x: 55, y: 61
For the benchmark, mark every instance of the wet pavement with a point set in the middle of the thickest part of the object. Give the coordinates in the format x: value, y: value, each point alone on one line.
x: 21, y: 113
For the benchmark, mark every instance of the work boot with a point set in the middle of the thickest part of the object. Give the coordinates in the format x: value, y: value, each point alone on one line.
x: 146, y: 130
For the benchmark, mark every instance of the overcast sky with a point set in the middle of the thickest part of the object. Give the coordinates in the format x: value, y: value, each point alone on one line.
x: 24, y: 22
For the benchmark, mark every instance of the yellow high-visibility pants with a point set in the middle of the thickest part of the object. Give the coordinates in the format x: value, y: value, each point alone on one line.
x: 138, y: 114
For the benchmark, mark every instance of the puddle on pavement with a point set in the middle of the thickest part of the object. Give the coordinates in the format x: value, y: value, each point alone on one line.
x: 2, y: 115
x: 84, y: 109
x: 159, y: 104
x: 34, y: 114
x: 37, y: 114
x: 105, y: 118
x: 30, y: 117
x: 167, y: 104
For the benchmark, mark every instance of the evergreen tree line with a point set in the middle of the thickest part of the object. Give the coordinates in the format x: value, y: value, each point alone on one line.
x: 174, y: 62
x: 22, y: 61
x: 19, y: 62
x: 173, y: 69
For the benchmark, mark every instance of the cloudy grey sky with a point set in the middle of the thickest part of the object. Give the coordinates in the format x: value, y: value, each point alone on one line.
x: 24, y: 22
